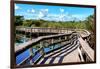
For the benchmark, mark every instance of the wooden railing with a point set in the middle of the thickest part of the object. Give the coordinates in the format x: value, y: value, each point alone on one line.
x: 82, y: 32
x: 44, y: 30
x: 40, y: 43
x: 86, y: 51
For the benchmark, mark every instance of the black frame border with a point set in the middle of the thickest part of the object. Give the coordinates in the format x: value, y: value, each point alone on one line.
x: 12, y: 28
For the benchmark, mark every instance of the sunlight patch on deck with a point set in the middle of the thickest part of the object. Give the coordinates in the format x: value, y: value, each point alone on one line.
x: 72, y: 57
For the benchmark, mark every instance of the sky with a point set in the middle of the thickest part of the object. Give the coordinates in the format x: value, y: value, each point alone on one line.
x: 52, y: 13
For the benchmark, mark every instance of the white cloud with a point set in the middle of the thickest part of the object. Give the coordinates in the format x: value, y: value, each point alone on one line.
x: 42, y: 13
x: 80, y: 16
x: 45, y: 15
x: 44, y: 10
x: 61, y: 10
x: 59, y: 17
x: 31, y: 11
x: 53, y: 15
x: 16, y: 7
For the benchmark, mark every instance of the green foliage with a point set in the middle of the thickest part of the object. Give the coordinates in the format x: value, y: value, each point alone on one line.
x: 86, y: 24
x: 18, y: 20
x: 27, y: 23
x: 90, y: 23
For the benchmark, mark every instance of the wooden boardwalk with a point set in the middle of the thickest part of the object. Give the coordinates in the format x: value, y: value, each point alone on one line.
x: 65, y: 53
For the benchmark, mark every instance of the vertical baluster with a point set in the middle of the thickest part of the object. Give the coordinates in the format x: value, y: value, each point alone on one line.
x: 34, y: 30
x: 60, y: 40
x: 59, y: 30
x: 52, y: 41
x: 25, y: 34
x: 37, y: 32
x: 41, y: 47
x: 65, y: 37
x: 80, y: 53
x: 25, y: 31
x: 31, y: 54
x: 31, y: 33
x: 67, y: 30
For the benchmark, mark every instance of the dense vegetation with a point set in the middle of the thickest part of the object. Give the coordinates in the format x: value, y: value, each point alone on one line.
x: 86, y: 24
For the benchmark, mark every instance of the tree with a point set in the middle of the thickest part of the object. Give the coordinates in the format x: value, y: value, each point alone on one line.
x: 90, y: 23
x: 18, y: 20
x: 28, y: 23
x: 38, y: 23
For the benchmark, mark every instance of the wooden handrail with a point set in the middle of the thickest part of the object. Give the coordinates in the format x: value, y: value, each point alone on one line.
x: 85, y: 46
x: 52, y: 30
x: 22, y: 47
x: 62, y: 45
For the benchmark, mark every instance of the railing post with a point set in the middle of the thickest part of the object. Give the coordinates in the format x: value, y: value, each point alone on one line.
x: 40, y: 45
x: 34, y: 30
x: 31, y: 54
x: 65, y: 37
x: 38, y: 32
x: 52, y: 41
x: 59, y: 38
x: 25, y: 31
x: 42, y: 52
x: 80, y: 53
x: 31, y: 33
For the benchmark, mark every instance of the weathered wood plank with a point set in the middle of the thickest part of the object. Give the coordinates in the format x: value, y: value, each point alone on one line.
x: 87, y: 48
